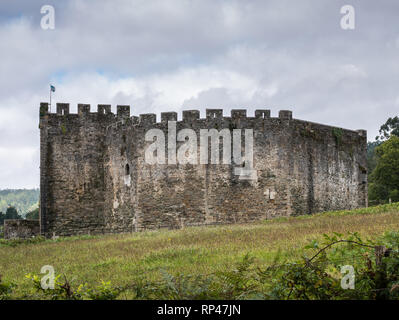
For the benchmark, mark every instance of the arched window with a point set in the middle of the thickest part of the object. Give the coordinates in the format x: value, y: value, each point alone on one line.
x: 127, y: 170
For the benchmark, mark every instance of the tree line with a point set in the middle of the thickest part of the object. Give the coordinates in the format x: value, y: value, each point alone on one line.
x: 23, y: 200
x: 12, y: 213
x: 383, y: 164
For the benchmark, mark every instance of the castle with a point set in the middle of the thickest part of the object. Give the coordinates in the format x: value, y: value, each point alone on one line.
x: 94, y: 177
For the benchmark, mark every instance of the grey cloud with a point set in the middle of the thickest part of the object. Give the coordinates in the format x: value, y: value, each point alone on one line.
x: 164, y: 55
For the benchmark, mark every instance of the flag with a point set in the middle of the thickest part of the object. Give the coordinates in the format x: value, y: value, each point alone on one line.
x: 52, y: 88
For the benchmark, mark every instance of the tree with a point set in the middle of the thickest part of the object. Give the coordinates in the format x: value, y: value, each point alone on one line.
x: 388, y: 129
x: 2, y: 217
x: 24, y: 200
x: 384, y: 180
x: 371, y: 156
x: 34, y: 214
x: 12, y: 213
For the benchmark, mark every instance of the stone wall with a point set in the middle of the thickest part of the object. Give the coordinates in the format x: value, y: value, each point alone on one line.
x: 72, y: 172
x: 94, y: 178
x: 23, y: 229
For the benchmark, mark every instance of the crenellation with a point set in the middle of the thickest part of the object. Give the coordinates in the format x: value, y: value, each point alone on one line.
x: 238, y: 113
x: 148, y: 118
x: 191, y: 115
x: 104, y: 109
x: 95, y: 179
x: 285, y: 114
x: 123, y: 111
x: 262, y: 114
x: 83, y: 109
x: 62, y: 109
x: 214, y: 113
x: 168, y: 116
x: 44, y: 109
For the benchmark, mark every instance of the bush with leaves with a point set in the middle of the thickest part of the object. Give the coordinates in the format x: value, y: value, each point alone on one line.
x: 64, y: 290
x: 237, y: 283
x: 6, y: 289
x: 319, y: 276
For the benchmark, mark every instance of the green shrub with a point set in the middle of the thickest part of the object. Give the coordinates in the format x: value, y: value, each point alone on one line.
x: 64, y: 290
x: 319, y: 277
x: 6, y: 289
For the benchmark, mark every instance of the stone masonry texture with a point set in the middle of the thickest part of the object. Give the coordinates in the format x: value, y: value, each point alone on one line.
x: 23, y: 229
x: 93, y: 177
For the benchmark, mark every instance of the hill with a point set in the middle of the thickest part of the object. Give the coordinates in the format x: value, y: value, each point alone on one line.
x: 24, y: 200
x: 195, y: 250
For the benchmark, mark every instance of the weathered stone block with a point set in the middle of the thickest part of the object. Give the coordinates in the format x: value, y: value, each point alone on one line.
x: 23, y: 229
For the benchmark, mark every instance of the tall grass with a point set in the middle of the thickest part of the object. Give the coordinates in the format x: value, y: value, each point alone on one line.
x: 194, y: 250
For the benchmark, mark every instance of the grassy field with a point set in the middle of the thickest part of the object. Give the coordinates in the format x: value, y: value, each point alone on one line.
x: 194, y: 250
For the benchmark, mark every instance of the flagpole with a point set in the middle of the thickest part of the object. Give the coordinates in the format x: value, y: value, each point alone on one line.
x: 50, y: 98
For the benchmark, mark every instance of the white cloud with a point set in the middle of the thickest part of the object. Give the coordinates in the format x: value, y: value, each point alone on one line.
x: 19, y: 167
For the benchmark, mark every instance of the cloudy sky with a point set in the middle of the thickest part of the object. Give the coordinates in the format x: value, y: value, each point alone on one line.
x: 187, y: 54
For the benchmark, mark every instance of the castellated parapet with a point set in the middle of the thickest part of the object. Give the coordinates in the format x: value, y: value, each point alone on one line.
x: 94, y: 177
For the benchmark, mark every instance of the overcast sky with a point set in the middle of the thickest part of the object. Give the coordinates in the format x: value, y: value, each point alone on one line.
x: 173, y: 55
